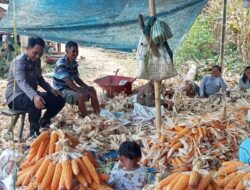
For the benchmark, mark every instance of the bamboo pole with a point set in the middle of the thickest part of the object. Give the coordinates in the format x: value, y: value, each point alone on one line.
x: 222, y: 46
x: 157, y: 84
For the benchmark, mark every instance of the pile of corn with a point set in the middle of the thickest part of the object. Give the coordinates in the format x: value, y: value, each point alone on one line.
x: 181, y: 146
x: 54, y: 163
x: 199, y: 180
x: 234, y: 175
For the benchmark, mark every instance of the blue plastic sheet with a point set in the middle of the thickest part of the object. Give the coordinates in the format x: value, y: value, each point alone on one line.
x: 102, y: 23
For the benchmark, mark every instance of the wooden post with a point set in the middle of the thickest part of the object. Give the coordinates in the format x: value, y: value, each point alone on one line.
x: 222, y: 46
x: 157, y: 84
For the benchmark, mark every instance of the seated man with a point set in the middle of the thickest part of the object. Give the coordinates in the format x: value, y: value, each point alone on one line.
x: 66, y: 79
x: 146, y: 96
x: 25, y: 75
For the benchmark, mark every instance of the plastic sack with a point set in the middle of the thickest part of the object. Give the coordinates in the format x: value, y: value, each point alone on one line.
x: 8, y: 158
x: 160, y: 32
x: 151, y: 67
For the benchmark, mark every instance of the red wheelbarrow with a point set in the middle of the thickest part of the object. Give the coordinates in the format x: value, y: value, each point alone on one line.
x: 114, y: 84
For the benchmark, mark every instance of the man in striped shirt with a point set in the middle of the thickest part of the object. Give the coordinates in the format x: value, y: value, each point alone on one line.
x: 66, y: 79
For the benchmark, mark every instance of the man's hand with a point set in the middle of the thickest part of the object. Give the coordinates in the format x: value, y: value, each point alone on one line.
x: 39, y: 102
x: 56, y: 92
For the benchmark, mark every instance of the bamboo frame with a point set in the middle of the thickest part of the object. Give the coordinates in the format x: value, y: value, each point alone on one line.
x: 157, y: 84
x: 223, y: 31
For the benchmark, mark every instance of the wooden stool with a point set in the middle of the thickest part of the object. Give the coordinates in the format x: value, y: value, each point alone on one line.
x: 15, y: 114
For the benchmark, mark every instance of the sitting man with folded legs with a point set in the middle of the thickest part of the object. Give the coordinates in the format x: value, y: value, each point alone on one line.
x: 66, y: 79
x: 25, y: 75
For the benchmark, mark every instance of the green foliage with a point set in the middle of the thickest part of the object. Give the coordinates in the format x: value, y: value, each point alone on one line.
x: 202, y: 43
x: 198, y: 44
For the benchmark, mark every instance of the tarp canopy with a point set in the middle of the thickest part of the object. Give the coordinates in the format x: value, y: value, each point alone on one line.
x: 102, y: 23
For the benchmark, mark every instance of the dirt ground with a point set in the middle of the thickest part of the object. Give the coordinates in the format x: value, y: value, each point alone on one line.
x: 93, y: 63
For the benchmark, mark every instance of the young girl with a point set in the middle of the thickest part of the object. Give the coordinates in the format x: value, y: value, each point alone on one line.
x: 127, y: 174
x: 244, y: 82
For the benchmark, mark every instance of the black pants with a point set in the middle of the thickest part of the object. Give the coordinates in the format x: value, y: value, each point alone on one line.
x: 53, y: 105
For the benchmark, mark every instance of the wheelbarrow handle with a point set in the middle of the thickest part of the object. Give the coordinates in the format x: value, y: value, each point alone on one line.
x: 116, y: 72
x: 134, y: 80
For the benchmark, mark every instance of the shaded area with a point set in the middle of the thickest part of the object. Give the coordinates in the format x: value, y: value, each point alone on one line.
x: 106, y: 24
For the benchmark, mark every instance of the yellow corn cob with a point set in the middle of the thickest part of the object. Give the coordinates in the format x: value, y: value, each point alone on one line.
x: 234, y: 182
x: 183, y: 159
x: 43, y: 136
x: 82, y: 188
x: 177, y: 146
x: 240, y: 186
x: 179, y: 161
x: 75, y: 167
x: 215, y: 185
x: 21, y: 178
x: 52, y: 142
x: 247, y: 176
x: 179, y: 128
x: 62, y: 180
x: 68, y: 175
x: 182, y: 132
x: 25, y: 170
x: 42, y: 148
x: 204, y: 132
x: 230, y: 163
x: 167, y: 180
x: 174, y: 163
x: 27, y: 163
x: 46, y: 152
x: 82, y: 180
x: 42, y: 170
x: 173, y: 142
x: 27, y: 179
x: 48, y: 176
x: 200, y: 132
x: 189, y: 134
x: 209, y: 187
x: 196, y: 138
x: 33, y: 186
x: 57, y: 148
x: 95, y: 186
x: 56, y: 177
x: 91, y: 169
x: 173, y: 182
x: 84, y: 170
x: 32, y: 153
x: 36, y: 166
x: 224, y: 181
x: 227, y: 170
x: 182, y: 182
x: 204, y: 182
x: 194, y: 179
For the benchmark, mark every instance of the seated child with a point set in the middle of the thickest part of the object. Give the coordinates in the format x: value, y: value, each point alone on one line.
x: 127, y: 174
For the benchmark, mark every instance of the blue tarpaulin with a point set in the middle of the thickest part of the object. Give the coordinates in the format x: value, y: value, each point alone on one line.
x: 102, y: 23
